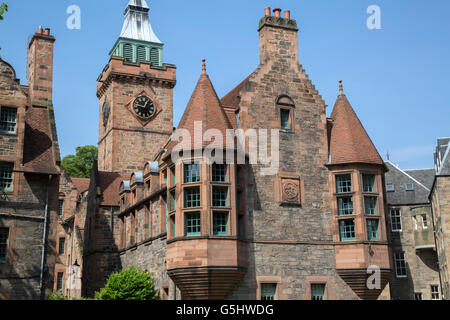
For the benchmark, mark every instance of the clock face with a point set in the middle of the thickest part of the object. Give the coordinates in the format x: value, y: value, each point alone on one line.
x: 105, y: 112
x: 144, y: 107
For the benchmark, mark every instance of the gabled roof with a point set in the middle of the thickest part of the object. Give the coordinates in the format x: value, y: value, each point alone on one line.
x: 82, y: 184
x: 109, y: 183
x: 205, y: 107
x: 349, y: 141
x: 399, y: 178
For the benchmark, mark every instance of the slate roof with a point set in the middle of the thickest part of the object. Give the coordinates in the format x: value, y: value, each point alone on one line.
x: 109, y: 183
x: 421, y: 179
x: 232, y: 98
x: 349, y: 141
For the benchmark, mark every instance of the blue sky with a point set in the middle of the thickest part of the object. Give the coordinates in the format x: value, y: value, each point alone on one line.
x: 396, y: 78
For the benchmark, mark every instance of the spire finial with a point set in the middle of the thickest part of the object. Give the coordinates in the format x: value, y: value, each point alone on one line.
x: 204, y: 66
x: 341, y: 88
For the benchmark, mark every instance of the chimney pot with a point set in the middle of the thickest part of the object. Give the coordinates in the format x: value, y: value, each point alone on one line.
x: 277, y: 12
x: 40, y: 29
x: 267, y: 11
x: 47, y: 31
x: 287, y: 14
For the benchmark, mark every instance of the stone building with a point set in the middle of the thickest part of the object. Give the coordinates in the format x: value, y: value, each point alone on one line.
x: 214, y: 221
x: 210, y: 228
x: 440, y: 199
x: 412, y: 234
x: 29, y: 175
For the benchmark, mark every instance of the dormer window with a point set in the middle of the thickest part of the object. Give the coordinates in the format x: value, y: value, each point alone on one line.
x: 409, y: 187
x: 390, y: 188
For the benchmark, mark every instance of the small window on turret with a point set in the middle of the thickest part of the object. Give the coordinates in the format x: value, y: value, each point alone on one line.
x: 128, y: 52
x: 141, y: 54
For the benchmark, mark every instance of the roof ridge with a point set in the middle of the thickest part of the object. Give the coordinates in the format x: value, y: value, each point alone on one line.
x: 409, y: 176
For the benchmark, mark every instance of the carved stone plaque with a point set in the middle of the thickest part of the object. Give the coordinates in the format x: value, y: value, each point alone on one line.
x: 290, y: 190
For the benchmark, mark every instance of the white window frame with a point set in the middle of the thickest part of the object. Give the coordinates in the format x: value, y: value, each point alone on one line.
x: 399, y: 259
x: 416, y: 226
x: 424, y: 221
x: 418, y: 295
x: 400, y: 219
x: 409, y: 184
x: 388, y: 189
x: 433, y: 293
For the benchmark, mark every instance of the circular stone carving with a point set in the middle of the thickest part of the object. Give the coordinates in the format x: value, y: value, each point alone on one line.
x: 290, y: 191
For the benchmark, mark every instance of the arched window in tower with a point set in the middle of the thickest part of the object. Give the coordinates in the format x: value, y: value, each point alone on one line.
x: 154, y: 56
x: 286, y: 107
x: 141, y: 53
x: 128, y: 52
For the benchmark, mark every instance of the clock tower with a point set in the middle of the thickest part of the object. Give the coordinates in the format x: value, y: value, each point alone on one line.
x: 135, y: 91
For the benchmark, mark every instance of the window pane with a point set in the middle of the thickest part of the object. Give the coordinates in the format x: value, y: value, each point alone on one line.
x: 220, y: 196
x: 347, y: 230
x: 344, y: 183
x: 345, y: 206
x: 372, y: 230
x: 62, y: 246
x: 220, y: 223
x: 370, y: 205
x: 435, y: 293
x: 396, y: 220
x: 192, y: 197
x: 6, y: 176
x: 219, y: 172
x: 60, y: 208
x: 8, y: 118
x: 59, y: 281
x: 3, y: 244
x: 317, y: 291
x: 191, y: 173
x: 369, y: 183
x: 268, y: 291
x: 400, y: 264
x: 193, y: 224
x: 284, y: 114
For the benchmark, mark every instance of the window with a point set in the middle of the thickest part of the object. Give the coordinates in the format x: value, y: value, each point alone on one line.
x: 191, y: 173
x: 345, y: 206
x: 435, y: 295
x: 60, y: 208
x: 400, y: 265
x: 396, y: 220
x: 268, y: 291
x: 141, y: 53
x: 173, y: 201
x: 317, y: 291
x: 370, y: 205
x: 219, y: 172
x: 174, y: 177
x: 192, y: 197
x: 4, y: 233
x: 220, y: 223
x: 418, y: 296
x: 409, y: 187
x: 220, y: 196
x: 62, y: 246
x: 347, y: 230
x: 344, y: 183
x: 128, y: 52
x: 6, y: 176
x: 284, y: 116
x: 368, y: 183
x: 149, y: 226
x: 165, y: 177
x: 154, y: 56
x: 164, y: 199
x: 390, y: 188
x: 59, y: 281
x: 8, y: 120
x: 172, y: 226
x: 192, y: 224
x: 372, y: 230
x: 424, y: 221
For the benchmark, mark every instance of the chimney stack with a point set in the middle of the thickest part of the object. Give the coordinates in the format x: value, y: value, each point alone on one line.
x: 277, y: 12
x: 287, y: 14
x: 40, y: 67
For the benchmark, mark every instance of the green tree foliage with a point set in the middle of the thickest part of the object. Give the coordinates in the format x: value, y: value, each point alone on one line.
x: 128, y: 284
x: 80, y: 164
x: 3, y: 9
x: 56, y: 295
